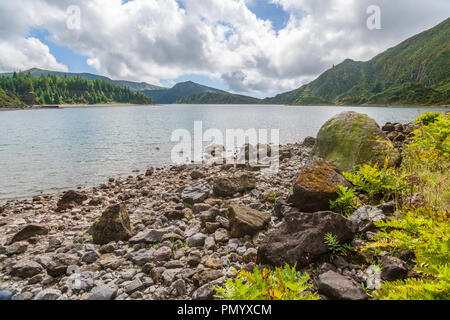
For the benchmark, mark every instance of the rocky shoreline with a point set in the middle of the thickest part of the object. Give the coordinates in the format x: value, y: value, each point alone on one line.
x: 176, y: 232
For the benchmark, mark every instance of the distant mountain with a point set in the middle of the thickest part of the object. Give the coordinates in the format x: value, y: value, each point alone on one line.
x: 179, y: 91
x: 135, y: 86
x: 416, y: 72
x: 212, y: 97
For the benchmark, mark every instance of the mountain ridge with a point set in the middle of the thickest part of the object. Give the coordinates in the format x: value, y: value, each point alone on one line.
x: 190, y: 92
x: 415, y: 72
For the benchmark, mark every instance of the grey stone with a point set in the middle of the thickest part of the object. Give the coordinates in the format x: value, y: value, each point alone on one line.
x: 90, y: 257
x: 81, y: 282
x: 162, y: 254
x: 48, y: 294
x: 197, y: 240
x: 195, y: 194
x: 206, y: 292
x: 151, y: 236
x: 366, y: 216
x: 178, y: 287
x: 142, y: 257
x: 105, y: 292
x: 335, y: 286
x: 133, y: 286
x: 26, y: 269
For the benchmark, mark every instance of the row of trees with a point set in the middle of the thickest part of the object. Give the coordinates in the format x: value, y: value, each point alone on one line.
x: 51, y: 89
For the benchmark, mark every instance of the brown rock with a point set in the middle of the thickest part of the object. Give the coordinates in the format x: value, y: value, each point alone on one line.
x: 70, y: 199
x: 113, y: 225
x: 205, y: 276
x: 213, y: 263
x: 229, y: 185
x: 246, y: 221
x: 317, y: 185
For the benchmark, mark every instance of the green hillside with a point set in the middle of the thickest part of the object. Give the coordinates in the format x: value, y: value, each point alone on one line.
x: 211, y: 97
x: 24, y: 89
x: 134, y: 86
x: 415, y: 72
x: 179, y: 91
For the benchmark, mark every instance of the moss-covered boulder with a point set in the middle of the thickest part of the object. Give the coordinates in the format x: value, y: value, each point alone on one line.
x: 350, y: 139
x: 316, y: 186
x: 113, y: 225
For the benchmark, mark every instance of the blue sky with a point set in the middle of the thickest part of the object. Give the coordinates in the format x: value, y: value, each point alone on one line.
x: 263, y: 9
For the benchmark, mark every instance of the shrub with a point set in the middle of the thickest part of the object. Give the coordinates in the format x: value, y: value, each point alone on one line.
x: 377, y: 183
x: 347, y: 201
x: 278, y: 284
x: 428, y: 159
x: 428, y: 118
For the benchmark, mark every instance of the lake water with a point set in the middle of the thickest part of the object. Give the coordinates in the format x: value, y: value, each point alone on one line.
x: 57, y: 149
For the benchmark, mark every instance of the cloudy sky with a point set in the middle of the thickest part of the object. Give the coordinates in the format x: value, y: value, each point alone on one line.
x: 255, y: 47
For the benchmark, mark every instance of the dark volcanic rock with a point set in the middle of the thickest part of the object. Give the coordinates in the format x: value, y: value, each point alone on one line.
x: 26, y: 269
x: 29, y: 231
x: 113, y: 225
x: 393, y: 269
x: 300, y: 238
x: 317, y: 185
x: 335, y: 286
x: 195, y: 194
x: 70, y: 199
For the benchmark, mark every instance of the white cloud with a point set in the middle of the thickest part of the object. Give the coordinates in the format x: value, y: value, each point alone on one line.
x: 22, y: 54
x: 151, y: 40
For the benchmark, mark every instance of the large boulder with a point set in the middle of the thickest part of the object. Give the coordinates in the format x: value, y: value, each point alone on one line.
x: 246, y: 221
x: 316, y: 186
x: 113, y: 225
x: 300, y: 239
x: 350, y: 139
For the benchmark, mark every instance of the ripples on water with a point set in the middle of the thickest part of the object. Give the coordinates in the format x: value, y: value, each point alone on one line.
x: 52, y: 150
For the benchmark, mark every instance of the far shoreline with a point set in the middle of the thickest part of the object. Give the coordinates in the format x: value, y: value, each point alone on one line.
x: 68, y: 106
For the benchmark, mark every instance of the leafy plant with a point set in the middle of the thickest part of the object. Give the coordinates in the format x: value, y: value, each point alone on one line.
x: 377, y: 183
x: 273, y: 198
x: 425, y: 232
x: 337, y: 249
x: 428, y: 118
x: 279, y: 284
x: 347, y: 201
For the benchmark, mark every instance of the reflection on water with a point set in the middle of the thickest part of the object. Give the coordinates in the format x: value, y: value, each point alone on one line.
x: 52, y: 150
